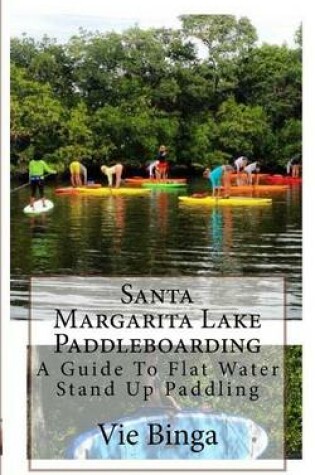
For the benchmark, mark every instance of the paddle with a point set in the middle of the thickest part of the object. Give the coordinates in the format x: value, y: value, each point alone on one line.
x: 26, y: 184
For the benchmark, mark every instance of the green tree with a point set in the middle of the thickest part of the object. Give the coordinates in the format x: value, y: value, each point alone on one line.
x: 197, y: 139
x: 77, y: 135
x: 22, y: 51
x: 225, y: 39
x: 298, y: 38
x: 131, y: 133
x: 206, y: 90
x: 242, y: 129
x: 35, y: 115
x: 223, y: 35
x: 289, y: 140
x: 97, y: 65
x: 270, y: 76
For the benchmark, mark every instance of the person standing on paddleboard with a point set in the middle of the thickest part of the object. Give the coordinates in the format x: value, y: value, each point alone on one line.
x: 219, y: 175
x: 114, y: 170
x: 294, y: 166
x: 37, y: 169
x: 162, y: 165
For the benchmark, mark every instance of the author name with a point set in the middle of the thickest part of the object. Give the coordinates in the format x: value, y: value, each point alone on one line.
x: 158, y: 435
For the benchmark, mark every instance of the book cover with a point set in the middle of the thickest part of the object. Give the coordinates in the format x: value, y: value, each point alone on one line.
x: 152, y: 251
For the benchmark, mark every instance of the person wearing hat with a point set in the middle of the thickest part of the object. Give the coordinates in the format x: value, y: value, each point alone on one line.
x: 161, y: 167
x: 114, y: 170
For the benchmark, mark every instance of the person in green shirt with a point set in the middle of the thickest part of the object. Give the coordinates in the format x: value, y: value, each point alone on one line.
x: 37, y: 169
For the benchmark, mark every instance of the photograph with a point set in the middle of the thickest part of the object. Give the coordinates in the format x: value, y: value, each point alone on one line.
x: 156, y: 151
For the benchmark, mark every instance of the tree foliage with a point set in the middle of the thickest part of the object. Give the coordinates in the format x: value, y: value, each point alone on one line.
x: 207, y: 90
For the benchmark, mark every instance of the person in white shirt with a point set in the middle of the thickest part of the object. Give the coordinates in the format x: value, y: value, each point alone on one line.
x: 84, y: 174
x: 152, y: 167
x: 250, y: 169
x: 114, y: 170
x: 294, y: 166
x: 240, y: 163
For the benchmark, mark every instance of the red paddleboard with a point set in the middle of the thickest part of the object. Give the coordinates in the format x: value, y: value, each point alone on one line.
x: 283, y: 180
x: 258, y: 188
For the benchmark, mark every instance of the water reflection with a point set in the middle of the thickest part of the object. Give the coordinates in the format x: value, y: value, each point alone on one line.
x: 152, y: 235
x: 38, y: 229
x: 216, y: 232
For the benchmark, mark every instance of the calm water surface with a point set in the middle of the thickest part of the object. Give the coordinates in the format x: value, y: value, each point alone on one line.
x: 154, y: 235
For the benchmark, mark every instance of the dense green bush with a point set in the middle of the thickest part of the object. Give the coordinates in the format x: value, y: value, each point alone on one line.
x: 119, y: 95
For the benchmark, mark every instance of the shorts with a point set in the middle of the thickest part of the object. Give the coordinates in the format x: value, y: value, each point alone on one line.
x: 75, y: 168
x: 162, y: 167
x: 37, y: 183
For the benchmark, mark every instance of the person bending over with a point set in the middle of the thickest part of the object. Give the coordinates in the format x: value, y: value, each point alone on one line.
x: 78, y: 174
x: 240, y: 163
x: 218, y: 177
x: 114, y: 170
x: 83, y: 171
x: 252, y: 168
x: 152, y: 167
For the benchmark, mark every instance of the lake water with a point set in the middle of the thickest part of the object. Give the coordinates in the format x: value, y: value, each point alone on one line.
x: 155, y: 236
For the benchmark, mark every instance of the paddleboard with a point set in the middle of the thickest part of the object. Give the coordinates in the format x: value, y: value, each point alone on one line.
x: 260, y: 175
x: 140, y: 181
x: 232, y: 201
x: 112, y: 191
x: 69, y: 190
x: 258, y: 188
x: 283, y: 180
x: 38, y: 207
x: 163, y: 185
x: 240, y: 438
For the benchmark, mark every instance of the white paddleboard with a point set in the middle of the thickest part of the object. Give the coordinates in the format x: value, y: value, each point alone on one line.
x: 38, y: 207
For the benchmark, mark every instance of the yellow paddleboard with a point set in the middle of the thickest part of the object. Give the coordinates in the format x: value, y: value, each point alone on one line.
x: 112, y: 191
x: 232, y: 201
